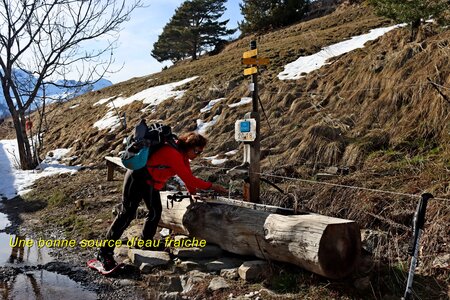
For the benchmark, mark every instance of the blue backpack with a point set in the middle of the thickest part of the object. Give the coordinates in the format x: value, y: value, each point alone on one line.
x: 144, y: 142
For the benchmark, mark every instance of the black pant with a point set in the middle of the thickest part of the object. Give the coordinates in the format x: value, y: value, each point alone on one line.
x: 135, y: 188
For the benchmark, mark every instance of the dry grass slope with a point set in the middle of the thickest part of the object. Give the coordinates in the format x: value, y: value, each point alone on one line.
x: 373, y: 111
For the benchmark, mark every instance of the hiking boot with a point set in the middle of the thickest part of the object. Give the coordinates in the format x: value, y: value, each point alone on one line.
x: 107, y: 259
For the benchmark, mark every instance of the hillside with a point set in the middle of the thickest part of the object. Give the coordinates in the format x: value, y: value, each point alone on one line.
x: 372, y: 113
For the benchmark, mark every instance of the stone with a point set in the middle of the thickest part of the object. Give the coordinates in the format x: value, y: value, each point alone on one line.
x: 223, y: 263
x: 209, y: 251
x: 332, y: 170
x: 169, y: 296
x: 153, y: 258
x: 192, y: 278
x: 188, y: 265
x: 146, y: 268
x: 229, y: 273
x: 370, y: 239
x: 125, y: 282
x: 253, y: 270
x: 165, y: 232
x: 218, y: 283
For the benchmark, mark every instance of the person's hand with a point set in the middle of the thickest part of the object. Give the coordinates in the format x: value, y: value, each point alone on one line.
x: 219, y: 189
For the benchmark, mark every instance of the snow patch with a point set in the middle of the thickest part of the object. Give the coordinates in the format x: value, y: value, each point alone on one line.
x: 307, y: 64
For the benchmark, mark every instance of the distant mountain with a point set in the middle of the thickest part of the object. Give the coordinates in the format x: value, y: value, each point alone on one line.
x: 53, y: 92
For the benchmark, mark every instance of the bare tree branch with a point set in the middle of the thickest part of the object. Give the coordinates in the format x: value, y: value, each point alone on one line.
x: 48, y: 38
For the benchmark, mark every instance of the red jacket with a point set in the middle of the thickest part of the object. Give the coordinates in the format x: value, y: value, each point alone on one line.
x: 167, y: 162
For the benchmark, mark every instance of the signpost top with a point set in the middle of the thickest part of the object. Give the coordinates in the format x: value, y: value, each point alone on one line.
x: 250, y: 53
x: 255, y: 61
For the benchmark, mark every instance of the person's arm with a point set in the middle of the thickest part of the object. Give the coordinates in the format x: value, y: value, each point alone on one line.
x: 184, y: 172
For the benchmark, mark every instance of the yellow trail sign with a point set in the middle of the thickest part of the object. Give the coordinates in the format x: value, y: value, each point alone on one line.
x: 255, y: 61
x: 250, y: 53
x: 250, y: 71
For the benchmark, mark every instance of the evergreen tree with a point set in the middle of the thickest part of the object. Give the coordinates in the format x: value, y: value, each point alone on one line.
x: 413, y: 12
x: 265, y: 14
x: 193, y: 29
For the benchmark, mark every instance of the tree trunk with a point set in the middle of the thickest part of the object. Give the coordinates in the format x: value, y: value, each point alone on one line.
x: 25, y: 154
x: 324, y: 245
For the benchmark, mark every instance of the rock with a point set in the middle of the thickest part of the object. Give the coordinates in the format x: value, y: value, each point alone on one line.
x: 121, y: 252
x: 153, y: 258
x: 370, y: 239
x: 252, y: 294
x: 252, y: 270
x: 218, y: 283
x: 332, y: 170
x: 125, y: 282
x: 208, y: 251
x: 165, y: 232
x: 188, y: 265
x: 192, y: 278
x: 167, y: 283
x: 146, y: 268
x: 229, y: 273
x: 223, y: 263
x: 169, y: 296
x: 79, y: 204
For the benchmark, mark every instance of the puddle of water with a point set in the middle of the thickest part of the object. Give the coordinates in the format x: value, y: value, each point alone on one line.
x: 44, y: 285
x: 12, y: 253
x: 21, y: 255
x: 39, y: 285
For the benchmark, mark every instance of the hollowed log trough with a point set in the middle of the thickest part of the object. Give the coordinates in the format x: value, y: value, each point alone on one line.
x: 323, y: 245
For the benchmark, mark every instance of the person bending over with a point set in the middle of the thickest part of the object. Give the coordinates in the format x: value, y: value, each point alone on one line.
x: 145, y: 184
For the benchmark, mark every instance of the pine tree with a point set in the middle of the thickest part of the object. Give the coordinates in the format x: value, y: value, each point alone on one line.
x: 193, y: 29
x: 265, y: 14
x: 413, y: 12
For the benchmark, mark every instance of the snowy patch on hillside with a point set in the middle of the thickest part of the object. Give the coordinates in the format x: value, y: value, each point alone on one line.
x: 151, y: 96
x: 232, y: 152
x: 17, y: 182
x: 110, y: 120
x: 210, y: 105
x: 202, y: 127
x: 306, y: 64
x: 243, y: 101
x: 154, y: 95
x: 214, y: 160
x: 103, y: 101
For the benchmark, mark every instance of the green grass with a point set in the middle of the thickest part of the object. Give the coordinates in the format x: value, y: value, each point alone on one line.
x: 57, y: 198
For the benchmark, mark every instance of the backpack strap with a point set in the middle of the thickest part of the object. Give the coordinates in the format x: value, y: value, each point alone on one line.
x: 171, y: 141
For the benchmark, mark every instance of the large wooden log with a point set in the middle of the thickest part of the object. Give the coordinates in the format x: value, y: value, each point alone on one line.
x: 324, y: 245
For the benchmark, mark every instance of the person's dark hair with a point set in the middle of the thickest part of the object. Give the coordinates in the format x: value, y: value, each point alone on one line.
x: 191, y: 140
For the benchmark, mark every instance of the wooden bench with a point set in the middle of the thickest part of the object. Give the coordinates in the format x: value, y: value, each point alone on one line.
x: 111, y: 164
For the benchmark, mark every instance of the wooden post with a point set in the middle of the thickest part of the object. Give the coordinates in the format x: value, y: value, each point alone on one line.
x: 324, y: 245
x: 110, y: 170
x: 254, y: 169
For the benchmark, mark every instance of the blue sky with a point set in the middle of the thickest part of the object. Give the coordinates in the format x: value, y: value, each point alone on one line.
x: 142, y: 30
